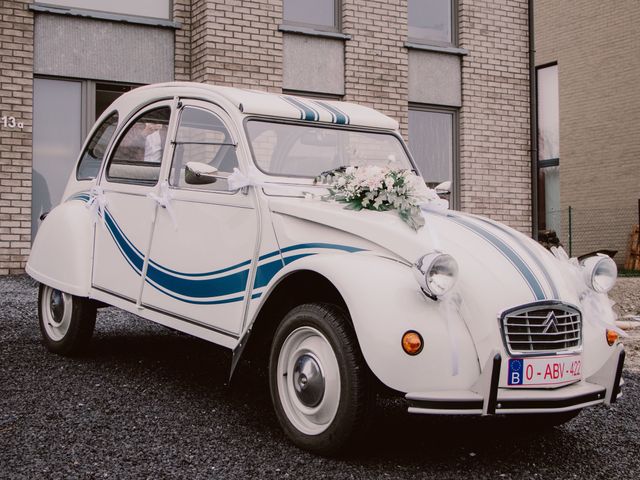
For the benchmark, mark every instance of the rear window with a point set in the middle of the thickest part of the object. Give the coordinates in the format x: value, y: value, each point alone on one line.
x: 93, y: 155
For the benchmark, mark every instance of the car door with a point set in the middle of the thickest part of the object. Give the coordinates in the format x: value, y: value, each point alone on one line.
x: 205, y: 240
x: 123, y: 229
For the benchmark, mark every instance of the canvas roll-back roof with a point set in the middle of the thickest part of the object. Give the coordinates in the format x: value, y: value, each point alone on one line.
x: 254, y: 102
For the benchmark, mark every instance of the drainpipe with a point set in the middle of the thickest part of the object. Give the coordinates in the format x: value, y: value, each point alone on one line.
x: 533, y: 121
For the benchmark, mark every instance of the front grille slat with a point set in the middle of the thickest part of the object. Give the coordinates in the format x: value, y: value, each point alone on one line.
x: 537, y: 329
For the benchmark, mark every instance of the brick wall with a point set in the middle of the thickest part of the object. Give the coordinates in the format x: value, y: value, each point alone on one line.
x: 182, y: 64
x: 495, y: 165
x: 595, y: 45
x: 376, y: 60
x: 237, y: 43
x: 16, y: 94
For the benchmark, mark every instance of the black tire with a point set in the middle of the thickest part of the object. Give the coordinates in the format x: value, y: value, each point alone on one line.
x: 66, y: 321
x: 352, y: 405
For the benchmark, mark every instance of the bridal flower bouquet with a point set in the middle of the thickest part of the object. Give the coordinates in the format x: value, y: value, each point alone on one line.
x: 381, y: 189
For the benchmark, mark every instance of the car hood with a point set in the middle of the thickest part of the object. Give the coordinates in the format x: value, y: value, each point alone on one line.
x: 499, y: 268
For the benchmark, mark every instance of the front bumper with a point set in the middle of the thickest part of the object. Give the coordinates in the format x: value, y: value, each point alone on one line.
x: 485, y: 398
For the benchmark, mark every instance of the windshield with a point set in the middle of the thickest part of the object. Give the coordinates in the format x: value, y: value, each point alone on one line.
x: 309, y: 150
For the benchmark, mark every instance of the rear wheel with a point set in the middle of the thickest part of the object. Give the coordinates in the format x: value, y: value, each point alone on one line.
x: 318, y: 379
x: 66, y: 321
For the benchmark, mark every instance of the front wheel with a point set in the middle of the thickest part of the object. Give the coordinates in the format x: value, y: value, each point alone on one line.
x: 318, y: 379
x: 66, y: 321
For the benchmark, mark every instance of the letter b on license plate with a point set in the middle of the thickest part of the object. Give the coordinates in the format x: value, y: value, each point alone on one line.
x: 556, y: 370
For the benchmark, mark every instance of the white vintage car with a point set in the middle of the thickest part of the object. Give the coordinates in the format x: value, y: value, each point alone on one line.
x: 197, y: 207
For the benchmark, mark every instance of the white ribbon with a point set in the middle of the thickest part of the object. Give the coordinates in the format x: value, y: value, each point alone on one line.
x: 163, y: 199
x: 449, y: 306
x: 97, y: 204
x: 596, y: 306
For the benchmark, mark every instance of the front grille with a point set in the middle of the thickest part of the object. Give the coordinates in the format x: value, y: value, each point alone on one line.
x: 538, y: 329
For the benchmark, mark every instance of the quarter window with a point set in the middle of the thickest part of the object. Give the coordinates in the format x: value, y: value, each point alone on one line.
x: 318, y: 14
x: 93, y: 155
x: 431, y: 21
x: 203, y: 138
x: 138, y: 154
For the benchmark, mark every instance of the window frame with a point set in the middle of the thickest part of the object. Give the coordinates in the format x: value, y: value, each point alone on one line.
x: 357, y: 128
x: 88, y: 141
x: 178, y: 114
x: 122, y: 132
x: 337, y: 20
x: 454, y: 199
x: 436, y: 43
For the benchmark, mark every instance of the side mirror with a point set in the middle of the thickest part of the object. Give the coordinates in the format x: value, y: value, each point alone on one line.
x: 196, y: 173
x: 444, y: 188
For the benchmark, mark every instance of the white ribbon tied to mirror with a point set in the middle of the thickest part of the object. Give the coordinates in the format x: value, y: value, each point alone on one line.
x: 163, y: 199
x: 97, y: 204
x: 596, y: 307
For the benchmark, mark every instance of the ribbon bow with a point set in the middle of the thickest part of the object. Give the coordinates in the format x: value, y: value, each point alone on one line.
x: 97, y: 204
x: 163, y: 199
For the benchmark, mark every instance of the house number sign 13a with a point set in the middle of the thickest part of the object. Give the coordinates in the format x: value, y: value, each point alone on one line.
x: 11, y: 122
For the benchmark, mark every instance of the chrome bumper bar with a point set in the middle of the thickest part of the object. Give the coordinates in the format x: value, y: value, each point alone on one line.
x: 486, y: 398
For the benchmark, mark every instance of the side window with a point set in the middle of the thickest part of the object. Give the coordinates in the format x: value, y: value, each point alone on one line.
x: 93, y: 155
x: 138, y: 154
x: 203, y: 138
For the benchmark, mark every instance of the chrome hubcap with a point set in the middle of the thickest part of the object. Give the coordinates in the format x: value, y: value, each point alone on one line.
x: 308, y: 380
x: 56, y: 313
x: 57, y: 307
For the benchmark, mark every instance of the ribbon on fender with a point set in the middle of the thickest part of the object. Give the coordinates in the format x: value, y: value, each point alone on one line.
x: 163, y: 199
x: 596, y: 306
x: 97, y: 204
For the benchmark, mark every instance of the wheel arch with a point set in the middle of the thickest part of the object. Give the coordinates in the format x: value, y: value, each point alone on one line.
x: 291, y: 289
x: 62, y: 252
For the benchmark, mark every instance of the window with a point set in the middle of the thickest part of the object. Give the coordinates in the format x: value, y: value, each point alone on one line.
x: 94, y: 154
x: 433, y: 143
x: 549, y: 213
x: 307, y: 151
x: 318, y: 14
x: 138, y: 154
x: 139, y: 8
x: 432, y: 21
x: 106, y: 94
x: 202, y: 137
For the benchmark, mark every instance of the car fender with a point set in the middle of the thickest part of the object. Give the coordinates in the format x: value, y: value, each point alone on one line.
x: 384, y: 301
x: 61, y: 255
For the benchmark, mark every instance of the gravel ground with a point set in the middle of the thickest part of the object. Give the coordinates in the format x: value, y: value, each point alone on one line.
x: 146, y: 402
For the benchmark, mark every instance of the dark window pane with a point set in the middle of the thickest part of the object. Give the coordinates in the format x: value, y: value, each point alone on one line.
x: 106, y: 94
x: 430, y: 21
x: 203, y: 138
x: 138, y: 155
x: 94, y: 154
x: 311, y: 12
x: 431, y: 143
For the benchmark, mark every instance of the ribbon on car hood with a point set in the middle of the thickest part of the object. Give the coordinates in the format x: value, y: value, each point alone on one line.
x: 97, y: 204
x: 163, y: 199
x: 596, y: 306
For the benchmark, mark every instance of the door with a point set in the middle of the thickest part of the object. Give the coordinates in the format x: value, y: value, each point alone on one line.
x: 204, y: 242
x: 123, y: 232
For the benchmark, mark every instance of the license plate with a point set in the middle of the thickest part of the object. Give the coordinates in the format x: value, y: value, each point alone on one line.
x: 555, y: 370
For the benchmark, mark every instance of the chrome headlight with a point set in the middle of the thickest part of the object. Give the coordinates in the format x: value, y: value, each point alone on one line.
x: 600, y: 273
x: 436, y: 273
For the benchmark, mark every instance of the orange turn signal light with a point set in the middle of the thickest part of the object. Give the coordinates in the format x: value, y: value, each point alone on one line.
x: 612, y: 337
x: 412, y: 342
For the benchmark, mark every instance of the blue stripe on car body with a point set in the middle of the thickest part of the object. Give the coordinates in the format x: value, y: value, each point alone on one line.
x: 532, y: 254
x: 200, y: 290
x: 512, y: 256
